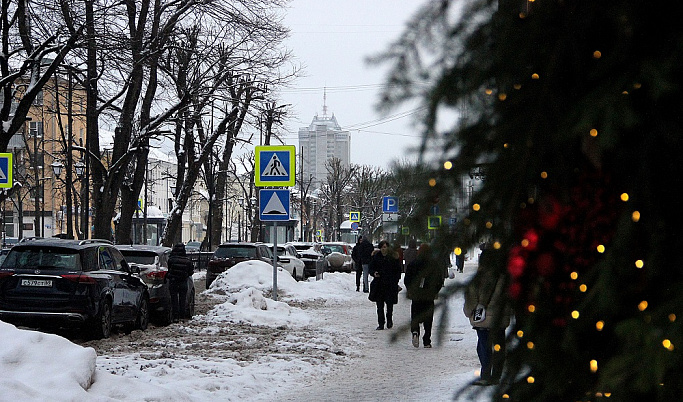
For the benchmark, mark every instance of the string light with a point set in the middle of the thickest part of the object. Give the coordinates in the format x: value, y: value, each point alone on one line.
x: 489, y: 225
x: 575, y: 314
x: 525, y: 243
x: 624, y: 197
x: 502, y: 96
x: 583, y: 288
x: 667, y: 344
x: 448, y: 165
x: 594, y: 132
x: 531, y: 308
x: 489, y: 91
x: 601, y: 249
x: 496, y: 347
x: 517, y: 86
x: 530, y: 345
x: 600, y: 325
x: 544, y: 175
x: 597, y: 54
x: 534, y: 76
x: 530, y: 379
x: 642, y: 305
x: 432, y: 182
x: 639, y: 263
x: 672, y: 317
x: 594, y: 365
x: 505, y: 396
x: 476, y: 207
x: 635, y: 216
x: 497, y: 245
x: 574, y: 275
x: 637, y: 85
x: 520, y: 334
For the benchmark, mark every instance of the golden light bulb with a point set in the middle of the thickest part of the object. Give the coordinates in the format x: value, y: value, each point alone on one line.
x: 639, y: 263
x: 594, y: 365
x: 574, y: 275
x: 530, y: 379
x: 601, y: 249
x: 534, y: 76
x: 432, y: 182
x: 594, y: 132
x: 476, y: 207
x: 448, y: 165
x: 531, y: 308
x: 600, y: 325
x: 496, y: 245
x: 597, y: 54
x: 635, y: 216
x: 575, y: 314
x: 544, y: 175
x: 642, y: 305
x: 624, y: 197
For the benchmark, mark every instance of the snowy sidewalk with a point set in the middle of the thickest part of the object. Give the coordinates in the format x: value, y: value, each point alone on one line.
x: 383, y: 370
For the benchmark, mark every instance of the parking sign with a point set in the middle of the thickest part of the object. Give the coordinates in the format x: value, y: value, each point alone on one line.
x: 389, y: 204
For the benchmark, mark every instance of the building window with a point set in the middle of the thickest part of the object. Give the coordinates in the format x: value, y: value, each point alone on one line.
x: 36, y: 129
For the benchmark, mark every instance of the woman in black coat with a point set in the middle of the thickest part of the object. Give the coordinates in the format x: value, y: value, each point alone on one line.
x: 385, y: 268
x: 423, y: 280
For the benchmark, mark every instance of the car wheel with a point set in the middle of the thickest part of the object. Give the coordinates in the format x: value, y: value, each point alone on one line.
x: 101, y: 327
x: 142, y: 319
x: 189, y: 310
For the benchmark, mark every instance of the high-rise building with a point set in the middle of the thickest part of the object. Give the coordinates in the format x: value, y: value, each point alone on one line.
x: 321, y: 141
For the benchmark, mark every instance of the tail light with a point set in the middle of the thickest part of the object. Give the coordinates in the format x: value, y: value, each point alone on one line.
x: 160, y: 275
x: 79, y: 279
x: 5, y: 274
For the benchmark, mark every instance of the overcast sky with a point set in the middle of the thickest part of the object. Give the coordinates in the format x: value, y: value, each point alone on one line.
x: 332, y: 38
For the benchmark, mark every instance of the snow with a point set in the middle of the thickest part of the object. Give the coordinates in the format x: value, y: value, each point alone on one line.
x: 42, y: 366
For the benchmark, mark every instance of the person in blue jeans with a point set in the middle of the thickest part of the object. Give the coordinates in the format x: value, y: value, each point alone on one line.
x: 487, y: 289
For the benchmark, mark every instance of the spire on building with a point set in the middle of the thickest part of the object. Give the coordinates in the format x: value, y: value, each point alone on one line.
x: 324, y: 102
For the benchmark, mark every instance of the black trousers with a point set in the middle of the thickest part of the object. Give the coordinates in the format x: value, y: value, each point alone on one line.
x: 178, y: 298
x: 492, y: 360
x: 380, y: 312
x: 422, y: 312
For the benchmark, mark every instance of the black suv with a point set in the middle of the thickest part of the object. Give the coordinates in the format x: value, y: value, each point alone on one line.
x: 85, y: 283
x: 229, y: 254
x: 153, y: 264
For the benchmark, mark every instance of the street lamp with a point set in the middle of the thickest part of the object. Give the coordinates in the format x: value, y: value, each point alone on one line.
x: 57, y: 167
x: 240, y: 201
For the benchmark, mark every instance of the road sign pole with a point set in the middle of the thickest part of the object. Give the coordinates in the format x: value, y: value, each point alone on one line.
x: 275, y: 260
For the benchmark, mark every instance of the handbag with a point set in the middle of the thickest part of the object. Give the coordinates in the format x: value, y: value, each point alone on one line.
x: 479, y: 313
x: 374, y: 289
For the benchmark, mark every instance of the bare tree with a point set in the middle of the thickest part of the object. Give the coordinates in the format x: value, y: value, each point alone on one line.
x: 368, y: 186
x: 336, y: 191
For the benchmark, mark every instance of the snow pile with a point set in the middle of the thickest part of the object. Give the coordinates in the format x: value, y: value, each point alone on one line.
x: 36, y: 366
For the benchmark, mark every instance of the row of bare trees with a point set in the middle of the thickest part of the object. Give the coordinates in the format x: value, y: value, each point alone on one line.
x: 200, y: 73
x: 360, y: 188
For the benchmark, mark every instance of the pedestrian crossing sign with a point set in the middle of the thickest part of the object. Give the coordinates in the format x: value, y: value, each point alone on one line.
x: 6, y: 170
x: 433, y: 221
x: 274, y: 165
x: 354, y: 216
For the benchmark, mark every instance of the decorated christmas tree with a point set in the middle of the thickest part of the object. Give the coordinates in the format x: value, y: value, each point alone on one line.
x: 571, y: 110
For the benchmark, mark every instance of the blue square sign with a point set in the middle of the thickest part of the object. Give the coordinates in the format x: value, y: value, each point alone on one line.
x: 6, y: 170
x: 274, y: 205
x: 390, y: 204
x: 274, y: 165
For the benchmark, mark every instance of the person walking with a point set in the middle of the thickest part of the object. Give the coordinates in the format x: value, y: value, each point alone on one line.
x: 385, y: 268
x: 358, y: 265
x: 410, y: 253
x: 486, y: 307
x: 460, y: 262
x: 365, y: 251
x: 180, y: 267
x: 423, y: 280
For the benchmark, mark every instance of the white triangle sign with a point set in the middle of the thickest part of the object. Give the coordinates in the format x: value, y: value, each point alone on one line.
x: 274, y: 168
x: 274, y: 206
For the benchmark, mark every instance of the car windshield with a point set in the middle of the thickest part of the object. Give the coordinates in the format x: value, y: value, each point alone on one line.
x: 43, y: 258
x: 139, y: 257
x: 335, y: 248
x: 233, y: 252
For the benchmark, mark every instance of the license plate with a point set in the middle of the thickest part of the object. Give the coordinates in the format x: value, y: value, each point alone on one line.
x: 36, y: 282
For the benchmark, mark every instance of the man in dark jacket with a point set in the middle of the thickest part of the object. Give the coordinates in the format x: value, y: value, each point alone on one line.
x: 423, y: 281
x: 358, y: 265
x: 366, y: 249
x: 180, y: 267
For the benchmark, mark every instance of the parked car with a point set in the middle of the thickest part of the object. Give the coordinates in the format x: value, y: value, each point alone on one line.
x: 337, y: 256
x: 288, y: 257
x: 310, y: 254
x: 153, y: 264
x: 87, y: 283
x: 193, y: 246
x: 229, y: 254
